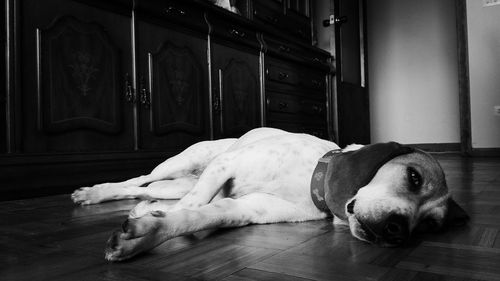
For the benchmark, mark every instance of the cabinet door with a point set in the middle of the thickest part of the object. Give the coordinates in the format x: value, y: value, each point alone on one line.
x: 74, y: 62
x: 235, y: 76
x: 172, y: 87
x: 3, y: 85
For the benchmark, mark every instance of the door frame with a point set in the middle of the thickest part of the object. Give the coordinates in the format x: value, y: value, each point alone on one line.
x: 463, y: 78
x: 364, y: 75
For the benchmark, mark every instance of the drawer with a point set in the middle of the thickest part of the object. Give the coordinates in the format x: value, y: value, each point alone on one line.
x: 283, y: 73
x: 268, y: 12
x: 298, y: 25
x: 233, y: 32
x: 315, y: 130
x: 296, y: 105
x: 314, y: 80
x: 175, y: 11
x: 308, y: 55
x: 297, y: 75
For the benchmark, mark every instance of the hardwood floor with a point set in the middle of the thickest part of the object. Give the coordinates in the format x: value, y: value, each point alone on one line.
x: 50, y: 238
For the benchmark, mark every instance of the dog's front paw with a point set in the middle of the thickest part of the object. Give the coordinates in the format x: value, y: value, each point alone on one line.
x: 86, y: 196
x: 97, y: 194
x: 137, y: 235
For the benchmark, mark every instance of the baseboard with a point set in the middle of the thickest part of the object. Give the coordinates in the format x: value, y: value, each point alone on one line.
x: 27, y: 176
x: 437, y: 147
x: 486, y: 152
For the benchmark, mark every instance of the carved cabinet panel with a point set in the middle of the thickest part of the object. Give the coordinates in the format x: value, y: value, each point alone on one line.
x: 74, y: 61
x: 77, y: 71
x: 236, y: 92
x: 172, y: 87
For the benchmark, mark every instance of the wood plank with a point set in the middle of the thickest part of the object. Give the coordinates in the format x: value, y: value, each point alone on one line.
x: 319, y: 268
x: 248, y: 274
x: 454, y: 260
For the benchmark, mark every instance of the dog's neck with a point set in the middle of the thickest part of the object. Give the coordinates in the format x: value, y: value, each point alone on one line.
x: 318, y: 181
x: 341, y: 173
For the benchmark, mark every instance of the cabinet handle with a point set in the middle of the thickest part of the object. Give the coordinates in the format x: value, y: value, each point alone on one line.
x: 282, y: 75
x: 237, y: 33
x: 317, y: 109
x: 129, y: 90
x: 216, y: 105
x: 144, y: 94
x: 316, y: 83
x: 174, y: 11
x: 315, y: 60
x: 271, y: 19
x: 282, y: 105
x: 284, y: 49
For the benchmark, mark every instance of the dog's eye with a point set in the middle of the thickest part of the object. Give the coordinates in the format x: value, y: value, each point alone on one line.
x: 414, y: 178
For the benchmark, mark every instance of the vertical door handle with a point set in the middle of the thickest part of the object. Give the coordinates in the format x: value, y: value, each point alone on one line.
x: 129, y: 90
x: 144, y: 93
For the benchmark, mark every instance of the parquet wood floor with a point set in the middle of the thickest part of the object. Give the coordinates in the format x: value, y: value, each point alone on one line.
x: 50, y: 238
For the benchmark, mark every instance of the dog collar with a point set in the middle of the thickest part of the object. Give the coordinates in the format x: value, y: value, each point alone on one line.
x: 318, y: 181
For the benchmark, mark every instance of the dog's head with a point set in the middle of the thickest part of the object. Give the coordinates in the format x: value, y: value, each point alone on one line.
x: 387, y: 191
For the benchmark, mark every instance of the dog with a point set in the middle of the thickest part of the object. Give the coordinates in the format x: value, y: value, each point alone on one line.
x: 383, y: 192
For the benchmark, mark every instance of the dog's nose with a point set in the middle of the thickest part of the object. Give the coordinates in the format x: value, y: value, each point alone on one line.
x: 396, y: 230
x: 350, y: 207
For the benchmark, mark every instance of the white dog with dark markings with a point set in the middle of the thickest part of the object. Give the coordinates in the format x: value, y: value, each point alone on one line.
x: 383, y: 192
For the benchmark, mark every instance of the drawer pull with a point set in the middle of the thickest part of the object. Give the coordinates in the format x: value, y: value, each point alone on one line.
x: 282, y: 75
x: 316, y: 83
x: 282, y: 105
x: 317, y: 109
x: 174, y: 11
x: 237, y: 33
x: 271, y: 19
x: 284, y: 49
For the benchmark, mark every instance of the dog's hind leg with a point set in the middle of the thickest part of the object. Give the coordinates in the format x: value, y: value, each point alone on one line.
x: 211, y: 182
x: 188, y: 163
x: 164, y: 189
x: 146, y: 232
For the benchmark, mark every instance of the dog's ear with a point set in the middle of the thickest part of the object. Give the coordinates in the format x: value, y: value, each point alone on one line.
x: 348, y: 172
x: 456, y: 215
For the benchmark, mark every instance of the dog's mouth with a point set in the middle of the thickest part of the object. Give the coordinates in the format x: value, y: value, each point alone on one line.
x: 363, y: 232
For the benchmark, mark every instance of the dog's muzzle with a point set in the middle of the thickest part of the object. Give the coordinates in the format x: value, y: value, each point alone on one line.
x: 392, y: 231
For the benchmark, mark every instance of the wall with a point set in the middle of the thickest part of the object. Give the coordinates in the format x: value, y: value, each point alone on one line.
x: 413, y: 77
x: 483, y: 24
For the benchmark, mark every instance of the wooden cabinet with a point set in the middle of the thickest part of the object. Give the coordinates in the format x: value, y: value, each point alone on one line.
x: 236, y: 91
x: 292, y: 17
x: 235, y: 78
x: 3, y: 85
x: 74, y: 59
x: 297, y: 82
x: 106, y: 90
x: 172, y: 72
